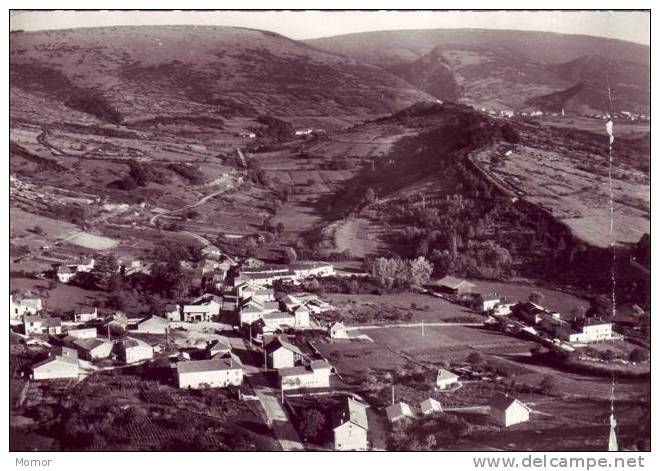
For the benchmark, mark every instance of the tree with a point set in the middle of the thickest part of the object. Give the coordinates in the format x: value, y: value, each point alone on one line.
x: 638, y: 355
x: 420, y: 271
x: 312, y: 423
x: 105, y: 273
x: 38, y: 230
x: 536, y: 297
x: 599, y: 306
x: 290, y: 255
x: 548, y: 385
x: 475, y: 358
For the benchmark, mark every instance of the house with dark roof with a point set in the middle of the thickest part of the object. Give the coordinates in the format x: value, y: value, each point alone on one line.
x: 214, y: 373
x: 42, y: 325
x: 453, y: 286
x: 351, y: 427
x: 85, y: 314
x: 93, y: 349
x: 282, y: 354
x: 506, y: 410
x: 314, y: 375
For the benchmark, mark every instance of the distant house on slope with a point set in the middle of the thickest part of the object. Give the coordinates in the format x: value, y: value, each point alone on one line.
x: 338, y: 331
x: 65, y: 274
x: 507, y: 411
x: 172, y: 312
x: 452, y: 285
x: 351, y: 427
x: 85, y: 314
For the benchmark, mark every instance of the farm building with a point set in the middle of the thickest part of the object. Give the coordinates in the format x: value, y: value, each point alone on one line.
x: 316, y: 375
x: 398, y: 411
x: 588, y: 330
x: 316, y: 306
x: 85, y: 314
x: 430, y: 406
x: 253, y: 310
x: 42, y: 325
x: 260, y: 295
x: 529, y: 312
x: 93, y: 349
x: 445, y: 379
x: 213, y: 373
x: 153, y: 325
x: 85, y: 265
x: 88, y: 333
x: 65, y: 274
x: 282, y: 354
x: 452, y: 285
x: 203, y: 309
x: 172, y: 312
x: 486, y: 302
x: 338, y: 331
x: 132, y: 350
x: 304, y: 270
x: 59, y: 366
x: 507, y: 411
x: 351, y: 427
x: 503, y: 308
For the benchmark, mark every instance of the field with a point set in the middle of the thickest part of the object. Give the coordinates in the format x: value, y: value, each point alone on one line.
x: 63, y: 297
x: 575, y: 189
x: 92, y: 241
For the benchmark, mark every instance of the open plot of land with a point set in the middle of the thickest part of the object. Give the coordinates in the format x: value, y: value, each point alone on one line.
x: 64, y: 297
x: 426, y: 308
x: 575, y: 194
x: 92, y: 241
x: 553, y: 299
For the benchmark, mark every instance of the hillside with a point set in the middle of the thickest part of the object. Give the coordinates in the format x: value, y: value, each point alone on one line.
x: 507, y: 69
x: 123, y: 74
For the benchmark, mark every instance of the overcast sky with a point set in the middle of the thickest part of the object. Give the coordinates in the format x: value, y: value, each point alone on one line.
x: 630, y: 26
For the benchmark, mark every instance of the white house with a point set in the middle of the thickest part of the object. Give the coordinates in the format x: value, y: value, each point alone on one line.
x: 131, y: 350
x: 59, y: 366
x: 214, y: 373
x: 430, y: 406
x: 488, y: 301
x: 304, y: 270
x: 93, y: 349
x: 399, y: 411
x: 507, y: 411
x: 88, y: 333
x: 65, y: 274
x: 42, y: 325
x: 172, y: 312
x: 85, y: 265
x: 303, y: 132
x: 282, y: 354
x: 592, y: 330
x: 278, y: 320
x: 85, y: 314
x: 316, y: 375
x: 351, y: 427
x: 24, y: 307
x: 503, y: 308
x: 203, y: 309
x: 220, y: 346
x: 445, y: 379
x: 301, y: 316
x: 338, y: 331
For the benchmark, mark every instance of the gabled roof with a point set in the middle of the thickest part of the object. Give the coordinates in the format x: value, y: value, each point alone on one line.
x: 503, y: 401
x: 131, y: 342
x: 338, y: 326
x: 354, y: 412
x: 400, y: 409
x: 85, y: 310
x: 64, y: 269
x: 277, y: 315
x: 430, y: 405
x: 452, y: 282
x: 89, y: 344
x: 51, y: 321
x: 281, y: 343
x: 293, y: 371
x: 214, y: 364
x: 171, y: 307
x: 444, y: 374
x: 156, y: 319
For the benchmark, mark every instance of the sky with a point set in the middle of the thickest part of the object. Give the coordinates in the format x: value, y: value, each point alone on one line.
x: 628, y: 26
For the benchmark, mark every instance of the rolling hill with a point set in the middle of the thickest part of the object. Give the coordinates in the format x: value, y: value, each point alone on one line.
x: 123, y: 74
x: 508, y: 69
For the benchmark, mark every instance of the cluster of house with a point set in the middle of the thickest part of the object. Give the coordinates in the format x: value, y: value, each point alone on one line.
x: 67, y: 271
x: 259, y: 311
x: 576, y: 331
x: 266, y: 275
x: 504, y: 410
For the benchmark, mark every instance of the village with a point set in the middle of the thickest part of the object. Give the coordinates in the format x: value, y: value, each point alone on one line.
x: 258, y: 333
